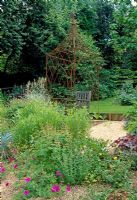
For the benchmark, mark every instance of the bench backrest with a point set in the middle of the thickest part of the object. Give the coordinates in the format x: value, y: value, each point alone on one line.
x: 83, y: 98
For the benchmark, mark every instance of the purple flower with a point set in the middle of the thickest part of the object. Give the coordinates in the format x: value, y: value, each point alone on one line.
x: 55, y: 188
x: 27, y: 179
x: 58, y: 173
x: 26, y: 192
x: 2, y: 169
x: 68, y: 189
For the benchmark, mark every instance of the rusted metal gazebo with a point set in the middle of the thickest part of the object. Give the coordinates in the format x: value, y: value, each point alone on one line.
x: 61, y: 63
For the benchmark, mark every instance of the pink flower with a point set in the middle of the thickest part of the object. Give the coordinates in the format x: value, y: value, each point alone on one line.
x: 2, y: 169
x: 7, y: 184
x: 55, y: 188
x: 68, y: 189
x: 11, y: 159
x: 15, y: 166
x: 1, y: 164
x: 26, y: 192
x: 58, y: 173
x: 27, y: 179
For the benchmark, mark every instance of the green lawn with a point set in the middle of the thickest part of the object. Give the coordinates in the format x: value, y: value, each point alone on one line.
x: 108, y: 106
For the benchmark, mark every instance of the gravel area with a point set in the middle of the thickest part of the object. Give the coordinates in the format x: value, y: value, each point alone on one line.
x: 108, y: 130
x: 8, y: 191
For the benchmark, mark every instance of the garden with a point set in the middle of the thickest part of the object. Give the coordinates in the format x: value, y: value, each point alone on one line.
x: 68, y: 100
x: 47, y: 152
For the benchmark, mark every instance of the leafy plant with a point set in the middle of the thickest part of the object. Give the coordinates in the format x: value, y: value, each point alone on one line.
x: 77, y: 122
x: 17, y: 92
x: 98, y: 195
x: 127, y: 95
x: 98, y: 116
x: 37, y: 89
x: 70, y: 160
x: 5, y: 139
x: 31, y: 118
x: 128, y: 143
x: 132, y: 120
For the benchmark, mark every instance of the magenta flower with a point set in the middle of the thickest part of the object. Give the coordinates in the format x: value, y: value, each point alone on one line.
x: 7, y: 184
x: 27, y: 179
x: 68, y: 189
x: 26, y: 192
x: 55, y: 188
x: 15, y: 166
x: 58, y: 173
x: 2, y: 169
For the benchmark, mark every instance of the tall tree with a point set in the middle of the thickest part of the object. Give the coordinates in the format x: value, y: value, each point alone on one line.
x: 11, y: 25
x: 124, y: 37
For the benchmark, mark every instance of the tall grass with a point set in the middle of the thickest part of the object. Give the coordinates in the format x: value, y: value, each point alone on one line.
x: 3, y: 121
x: 35, y: 115
x: 29, y: 116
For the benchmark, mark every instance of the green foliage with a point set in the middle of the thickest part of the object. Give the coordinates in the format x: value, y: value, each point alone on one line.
x: 50, y: 141
x: 3, y: 120
x: 57, y: 151
x: 37, y: 89
x: 128, y: 94
x: 59, y: 91
x: 77, y: 122
x: 104, y: 193
x: 6, y: 139
x: 30, y: 119
x: 2, y: 61
x: 107, y: 85
x: 123, y: 34
x: 28, y: 116
x: 70, y: 160
x: 132, y: 123
x: 98, y: 195
x: 1, y: 97
x: 110, y: 170
x: 36, y: 27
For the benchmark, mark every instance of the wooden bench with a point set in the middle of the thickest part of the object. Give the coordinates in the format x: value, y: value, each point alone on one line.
x: 83, y: 98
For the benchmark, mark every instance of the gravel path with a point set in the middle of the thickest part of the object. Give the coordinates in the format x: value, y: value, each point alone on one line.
x: 108, y: 130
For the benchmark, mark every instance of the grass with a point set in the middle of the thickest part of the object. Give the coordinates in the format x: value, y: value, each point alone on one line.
x: 108, y: 105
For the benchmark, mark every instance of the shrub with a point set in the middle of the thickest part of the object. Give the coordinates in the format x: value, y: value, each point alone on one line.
x: 132, y: 120
x: 6, y: 139
x: 31, y: 118
x: 49, y: 155
x: 57, y: 159
x: 37, y: 89
x: 70, y: 160
x: 128, y: 143
x: 3, y: 97
x: 77, y: 121
x: 127, y: 95
x: 3, y: 120
x: 17, y: 92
